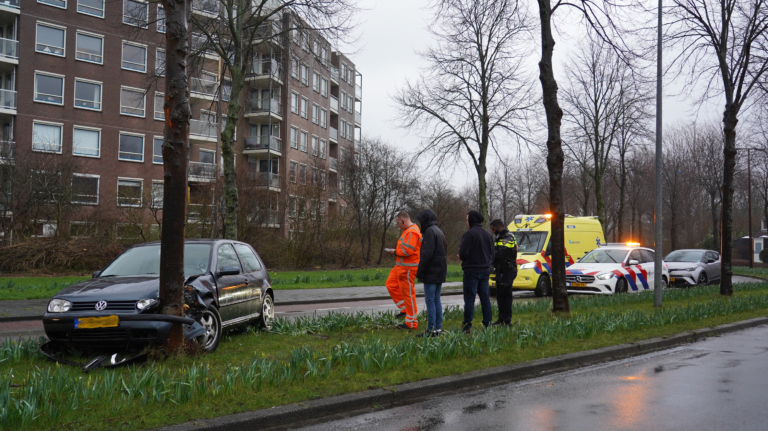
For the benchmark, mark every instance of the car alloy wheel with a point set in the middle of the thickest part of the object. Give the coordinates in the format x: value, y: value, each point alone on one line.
x: 267, y: 313
x: 703, y: 279
x: 211, y: 321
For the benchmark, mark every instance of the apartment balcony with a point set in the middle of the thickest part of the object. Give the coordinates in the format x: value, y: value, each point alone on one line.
x: 202, y: 47
x: 333, y: 163
x: 263, y: 145
x: 8, y: 102
x: 335, y: 75
x: 200, y: 130
x: 10, y: 7
x: 334, y: 134
x: 269, y: 31
x: 9, y: 51
x: 270, y: 218
x: 6, y: 151
x: 358, y: 92
x: 334, y: 104
x: 264, y: 108
x: 263, y: 71
x: 202, y: 172
x: 333, y: 195
x: 208, y: 8
x: 267, y: 180
x: 203, y: 88
x: 358, y: 118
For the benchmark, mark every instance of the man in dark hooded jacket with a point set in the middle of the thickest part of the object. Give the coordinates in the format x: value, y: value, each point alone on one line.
x: 433, y: 268
x: 476, y: 254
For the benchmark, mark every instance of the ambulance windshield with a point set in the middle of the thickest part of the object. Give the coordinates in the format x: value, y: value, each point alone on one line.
x: 601, y: 255
x: 530, y: 242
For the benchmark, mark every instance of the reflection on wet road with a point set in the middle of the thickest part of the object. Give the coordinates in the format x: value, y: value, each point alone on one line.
x: 717, y: 384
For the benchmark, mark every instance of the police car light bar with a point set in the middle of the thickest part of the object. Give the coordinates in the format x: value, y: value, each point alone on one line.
x: 633, y: 244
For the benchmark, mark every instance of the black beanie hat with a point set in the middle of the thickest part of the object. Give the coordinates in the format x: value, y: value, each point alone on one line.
x: 475, y: 218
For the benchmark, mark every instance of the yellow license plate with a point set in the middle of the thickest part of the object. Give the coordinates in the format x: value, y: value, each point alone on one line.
x: 97, y: 322
x: 578, y: 284
x: 672, y: 279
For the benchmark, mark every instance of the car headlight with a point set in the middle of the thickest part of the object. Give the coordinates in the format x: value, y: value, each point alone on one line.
x: 145, y: 303
x: 606, y: 276
x: 59, y: 306
x: 529, y: 265
x: 693, y: 268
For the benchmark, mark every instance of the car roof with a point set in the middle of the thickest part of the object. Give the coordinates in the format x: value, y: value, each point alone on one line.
x: 193, y: 241
x: 692, y: 249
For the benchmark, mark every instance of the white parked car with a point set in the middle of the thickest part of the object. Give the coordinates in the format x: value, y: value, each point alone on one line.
x: 614, y: 269
x: 692, y: 267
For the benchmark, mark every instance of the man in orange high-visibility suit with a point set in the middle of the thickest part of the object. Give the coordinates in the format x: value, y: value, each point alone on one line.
x: 400, y: 282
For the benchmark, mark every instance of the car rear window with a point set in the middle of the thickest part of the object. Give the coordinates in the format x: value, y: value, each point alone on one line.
x: 145, y: 260
x: 250, y: 261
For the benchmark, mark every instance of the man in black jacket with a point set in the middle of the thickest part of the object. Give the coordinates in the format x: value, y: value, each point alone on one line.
x: 433, y: 268
x: 505, y: 262
x: 476, y: 254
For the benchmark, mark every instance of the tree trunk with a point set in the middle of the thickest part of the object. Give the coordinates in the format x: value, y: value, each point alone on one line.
x: 729, y: 167
x: 554, y: 158
x: 715, y: 232
x: 482, y: 190
x: 599, y: 200
x: 175, y: 162
x: 231, y: 201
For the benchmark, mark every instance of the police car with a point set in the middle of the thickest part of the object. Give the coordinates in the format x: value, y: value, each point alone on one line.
x: 615, y: 268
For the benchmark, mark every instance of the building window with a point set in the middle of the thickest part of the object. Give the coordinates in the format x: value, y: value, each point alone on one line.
x: 323, y: 118
x: 315, y: 179
x: 294, y: 138
x: 324, y: 56
x: 315, y: 114
x: 350, y: 104
x: 157, y: 151
x: 304, y: 41
x: 302, y: 174
x: 134, y: 57
x: 349, y: 131
x: 315, y: 143
x: 86, y: 142
x: 160, y: 62
x: 91, y: 7
x: 304, y: 103
x: 305, y: 74
x: 80, y: 229
x: 57, y: 3
x: 89, y: 47
x: 160, y: 19
x: 303, y: 144
x: 159, y: 102
x: 129, y: 192
x: 294, y: 68
x: 343, y: 71
x: 85, y: 189
x: 49, y: 88
x: 316, y: 82
x: 343, y: 100
x: 323, y: 87
x: 292, y: 171
x: 50, y: 39
x: 131, y: 147
x: 294, y: 103
x: 315, y: 47
x: 87, y: 94
x: 158, y: 191
x: 46, y: 137
x: 323, y: 146
x: 132, y: 102
x: 342, y: 128
x: 135, y: 13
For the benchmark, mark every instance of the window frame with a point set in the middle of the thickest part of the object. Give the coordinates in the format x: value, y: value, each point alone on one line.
x: 54, y: 26
x: 294, y: 144
x: 323, y: 149
x: 53, y: 5
x: 122, y: 56
x: 315, y: 81
x: 98, y: 36
x: 323, y: 87
x: 146, y: 5
x: 295, y: 97
x: 154, y: 138
x: 63, y: 87
x: 304, y: 107
x: 315, y: 145
x: 157, y: 51
x: 154, y: 108
x: 293, y: 171
x: 155, y: 204
x: 304, y: 74
x: 61, y: 136
x: 143, y: 145
x: 302, y: 178
x: 101, y: 94
x: 98, y: 184
x: 323, y: 118
x: 157, y: 19
x: 303, y: 141
x: 103, y: 9
x: 315, y: 113
x: 137, y: 90
x: 141, y: 191
x: 93, y: 129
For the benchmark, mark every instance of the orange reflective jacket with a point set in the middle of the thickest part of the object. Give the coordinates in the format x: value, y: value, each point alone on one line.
x: 408, y: 247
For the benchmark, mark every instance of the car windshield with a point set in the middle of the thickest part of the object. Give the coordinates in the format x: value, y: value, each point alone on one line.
x: 684, y: 256
x: 145, y: 260
x: 530, y: 242
x: 604, y: 256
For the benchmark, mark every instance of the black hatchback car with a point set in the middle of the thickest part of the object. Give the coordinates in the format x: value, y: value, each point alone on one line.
x: 226, y: 280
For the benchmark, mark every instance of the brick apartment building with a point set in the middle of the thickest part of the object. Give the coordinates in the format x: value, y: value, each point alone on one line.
x: 83, y: 79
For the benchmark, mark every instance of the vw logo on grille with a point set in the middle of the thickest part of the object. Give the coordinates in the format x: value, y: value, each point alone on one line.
x: 101, y: 305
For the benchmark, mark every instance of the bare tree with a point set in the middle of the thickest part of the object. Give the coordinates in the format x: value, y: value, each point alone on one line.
x: 722, y: 44
x: 475, y: 90
x: 707, y: 157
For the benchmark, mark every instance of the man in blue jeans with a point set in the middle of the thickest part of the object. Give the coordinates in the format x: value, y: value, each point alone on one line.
x: 433, y: 268
x: 476, y: 255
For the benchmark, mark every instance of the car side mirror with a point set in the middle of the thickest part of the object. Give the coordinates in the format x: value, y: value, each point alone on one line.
x: 710, y: 260
x: 633, y: 262
x: 95, y: 274
x: 229, y: 270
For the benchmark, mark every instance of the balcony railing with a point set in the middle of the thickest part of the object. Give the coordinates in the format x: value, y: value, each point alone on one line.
x: 334, y: 134
x: 206, y: 6
x: 7, y: 99
x: 335, y: 73
x: 358, y: 91
x: 206, y: 171
x: 203, y: 86
x: 9, y: 48
x: 334, y: 103
x: 266, y: 68
x: 201, y: 45
x: 333, y: 163
x: 6, y: 149
x: 358, y: 117
x: 10, y: 3
x: 266, y: 179
x: 269, y: 30
x: 263, y: 143
x: 202, y: 128
x: 264, y: 105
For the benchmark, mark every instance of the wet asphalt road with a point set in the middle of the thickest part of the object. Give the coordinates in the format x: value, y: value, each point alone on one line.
x: 717, y: 384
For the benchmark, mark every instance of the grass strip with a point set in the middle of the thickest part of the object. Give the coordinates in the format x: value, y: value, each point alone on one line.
x: 258, y: 370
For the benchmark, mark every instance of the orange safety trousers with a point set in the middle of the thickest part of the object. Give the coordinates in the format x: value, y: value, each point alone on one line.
x: 403, y: 292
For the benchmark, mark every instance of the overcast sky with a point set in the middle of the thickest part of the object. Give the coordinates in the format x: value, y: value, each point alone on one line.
x: 391, y: 34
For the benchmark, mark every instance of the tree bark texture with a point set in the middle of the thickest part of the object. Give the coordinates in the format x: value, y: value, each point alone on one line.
x: 729, y: 168
x: 555, y: 158
x: 175, y: 162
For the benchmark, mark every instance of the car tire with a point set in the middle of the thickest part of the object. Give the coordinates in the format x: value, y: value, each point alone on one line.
x: 621, y: 286
x: 543, y: 286
x: 267, y: 312
x: 664, y: 283
x: 703, y: 281
x: 211, y: 321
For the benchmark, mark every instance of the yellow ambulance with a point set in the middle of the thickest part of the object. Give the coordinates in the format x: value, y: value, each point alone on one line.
x: 533, y: 232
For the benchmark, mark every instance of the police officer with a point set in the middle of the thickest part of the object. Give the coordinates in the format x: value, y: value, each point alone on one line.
x: 505, y: 262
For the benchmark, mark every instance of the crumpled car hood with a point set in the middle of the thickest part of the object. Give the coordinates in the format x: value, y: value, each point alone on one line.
x: 114, y: 288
